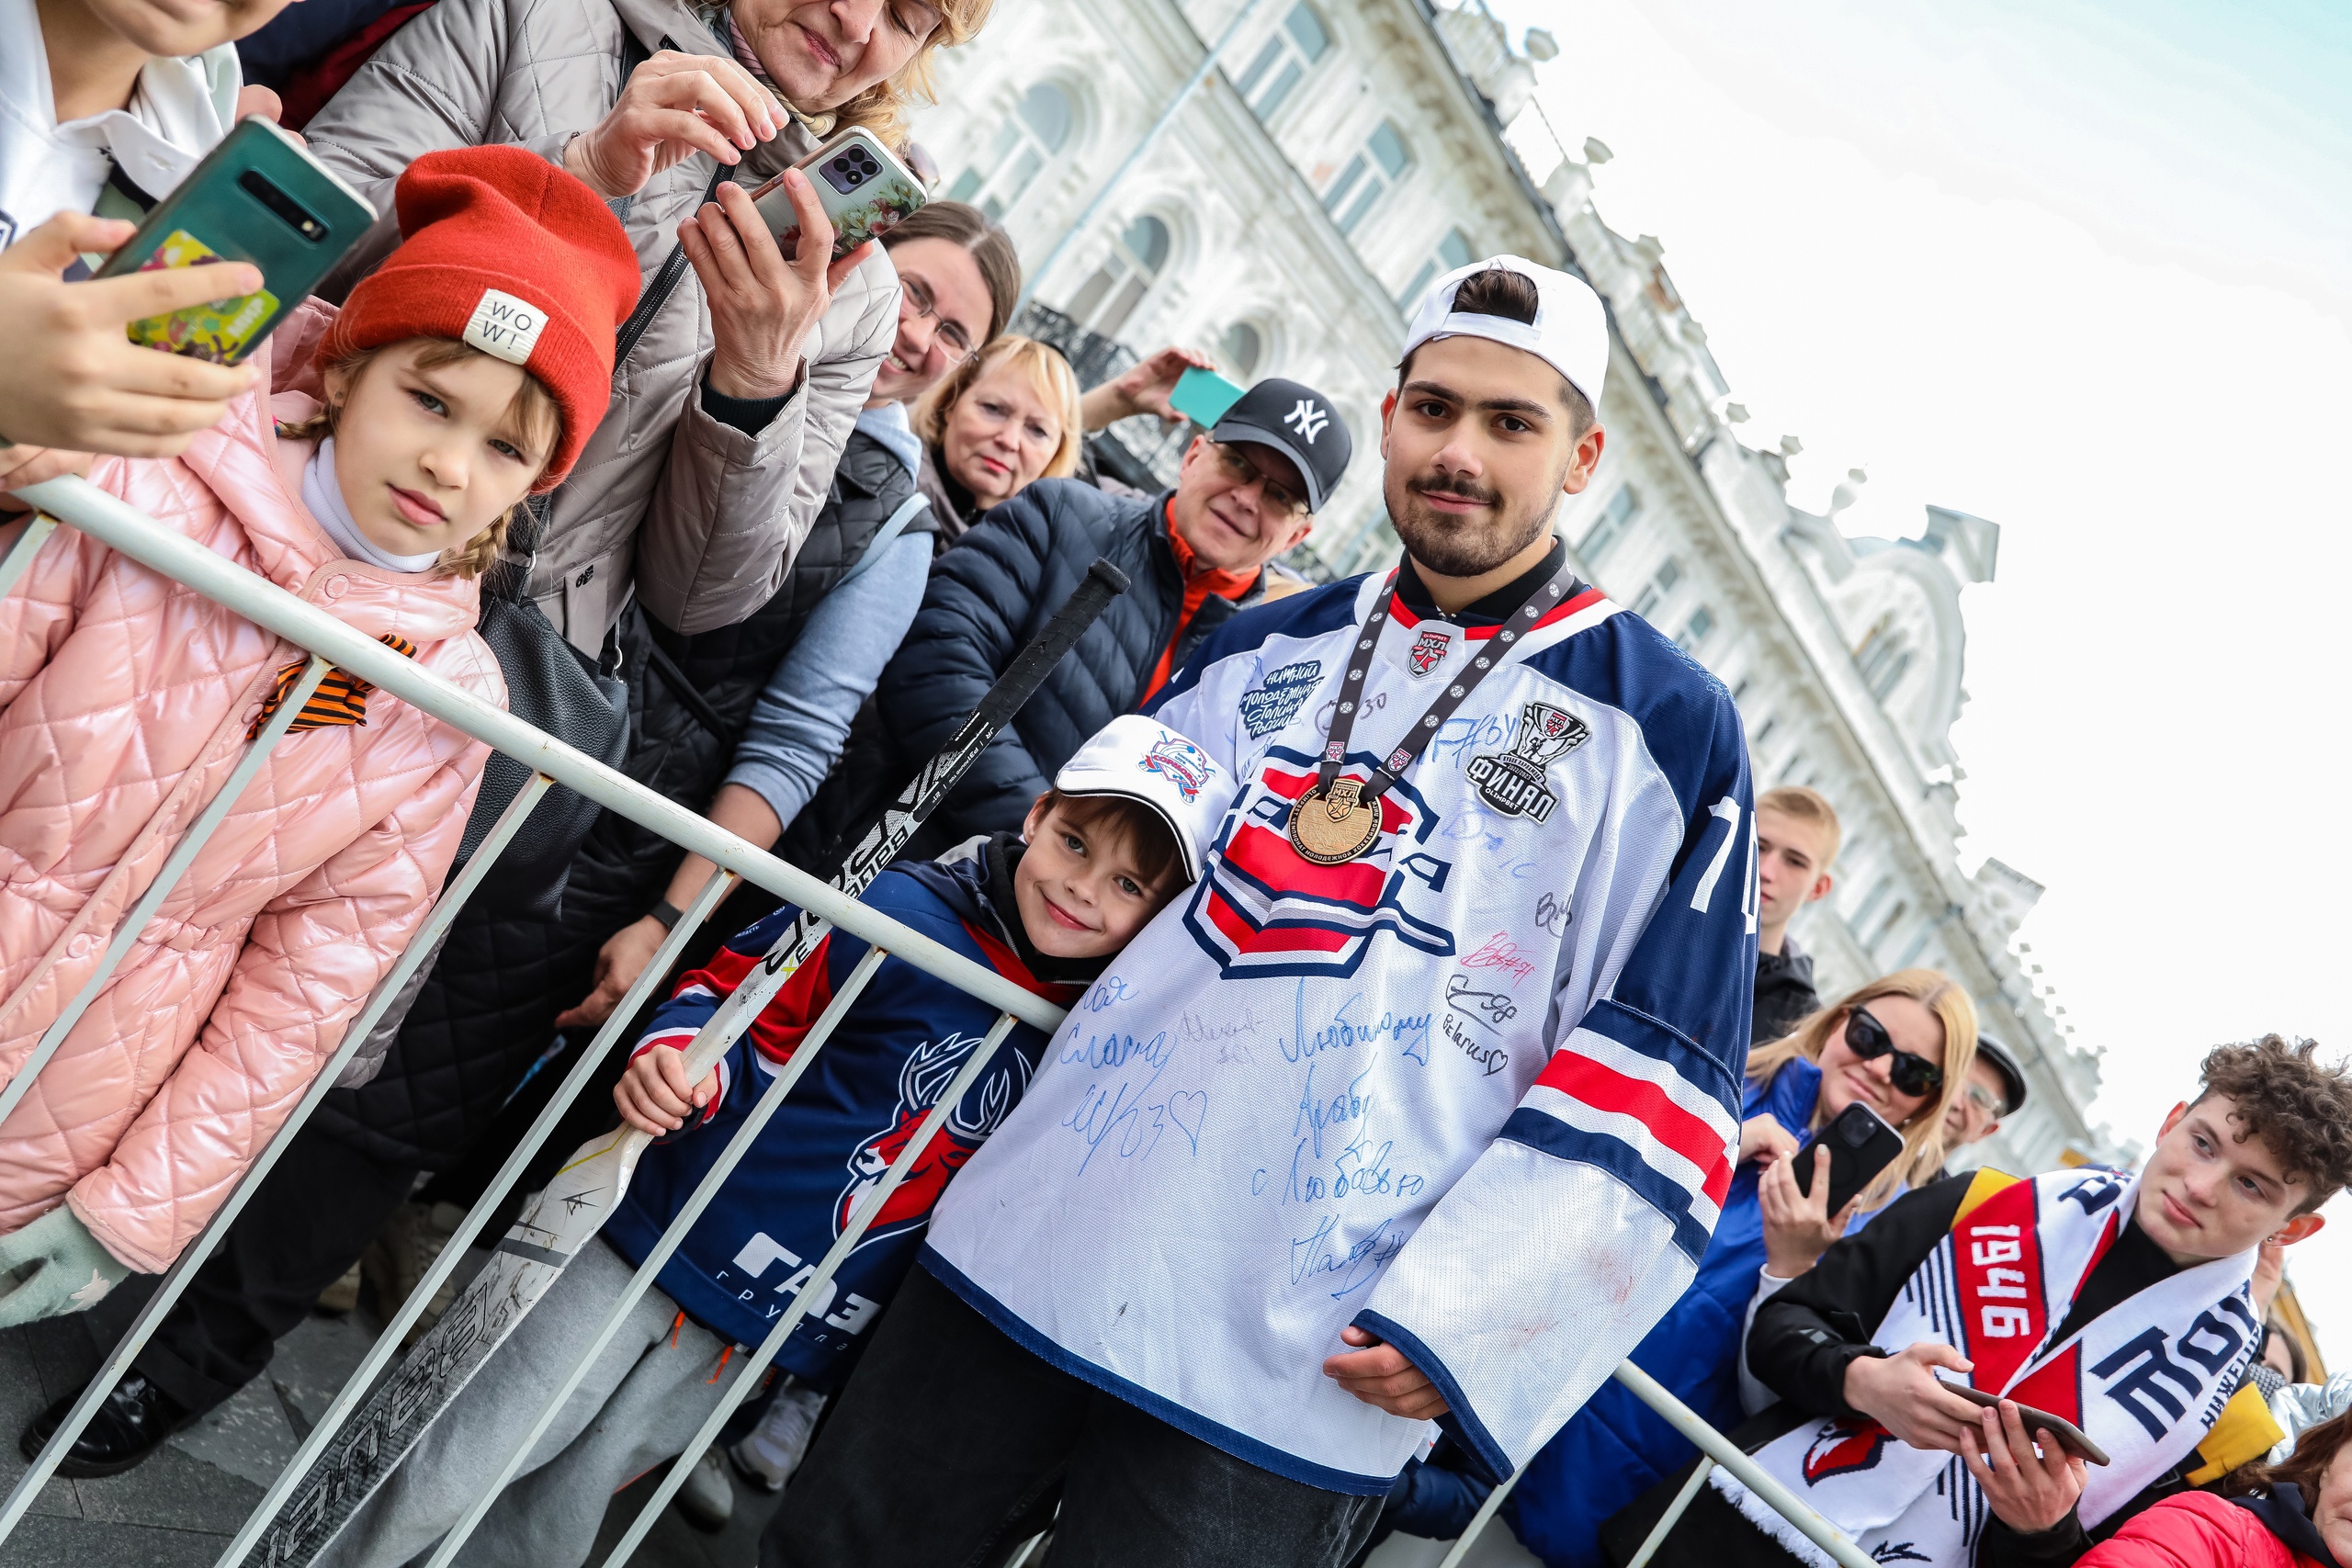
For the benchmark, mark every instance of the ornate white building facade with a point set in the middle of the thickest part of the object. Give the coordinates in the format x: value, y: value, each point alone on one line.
x: 1291, y: 208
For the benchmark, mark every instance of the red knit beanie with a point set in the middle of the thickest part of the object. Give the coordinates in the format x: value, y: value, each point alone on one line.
x: 502, y: 250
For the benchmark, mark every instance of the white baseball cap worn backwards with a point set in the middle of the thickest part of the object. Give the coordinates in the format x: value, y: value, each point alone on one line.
x: 1146, y: 760
x: 1571, y: 332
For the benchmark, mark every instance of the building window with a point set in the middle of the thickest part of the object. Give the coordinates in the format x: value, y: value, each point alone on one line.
x: 1037, y: 129
x: 1702, y: 622
x: 1110, y: 296
x: 1381, y: 163
x: 1883, y: 660
x: 1756, y: 742
x: 1609, y: 526
x: 1241, y: 348
x: 1296, y: 45
x: 1453, y: 252
x: 1894, y: 918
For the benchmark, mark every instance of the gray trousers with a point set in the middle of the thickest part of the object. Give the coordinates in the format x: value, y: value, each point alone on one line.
x: 642, y: 1399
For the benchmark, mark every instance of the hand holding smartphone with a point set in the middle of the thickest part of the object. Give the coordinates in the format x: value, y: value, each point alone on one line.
x: 864, y: 189
x: 1860, y: 1145
x: 259, y: 197
x: 2064, y: 1433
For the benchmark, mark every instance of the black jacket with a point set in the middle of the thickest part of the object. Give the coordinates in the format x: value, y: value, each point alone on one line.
x: 487, y: 1011
x: 989, y: 598
x: 1784, y: 993
x: 1805, y: 1336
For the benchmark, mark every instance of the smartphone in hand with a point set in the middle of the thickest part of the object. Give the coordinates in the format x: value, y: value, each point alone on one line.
x: 2038, y: 1423
x: 258, y: 197
x: 862, y: 187
x: 1860, y: 1145
x: 1203, y: 396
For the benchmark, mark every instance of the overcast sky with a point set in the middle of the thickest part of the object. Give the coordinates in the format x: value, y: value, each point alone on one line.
x: 2085, y: 269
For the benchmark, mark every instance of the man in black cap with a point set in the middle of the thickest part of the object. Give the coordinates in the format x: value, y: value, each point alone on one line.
x: 1248, y: 490
x: 1995, y: 1088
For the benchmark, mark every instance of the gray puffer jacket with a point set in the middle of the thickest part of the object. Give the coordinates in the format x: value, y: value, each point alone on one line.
x: 701, y: 517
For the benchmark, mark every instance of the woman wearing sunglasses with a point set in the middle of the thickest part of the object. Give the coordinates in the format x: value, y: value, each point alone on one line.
x: 1900, y: 1046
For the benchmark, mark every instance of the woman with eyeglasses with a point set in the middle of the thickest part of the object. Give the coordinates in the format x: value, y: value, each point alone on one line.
x: 998, y: 423
x: 1902, y: 1046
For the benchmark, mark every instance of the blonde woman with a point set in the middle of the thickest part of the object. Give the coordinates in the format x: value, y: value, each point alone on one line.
x: 1002, y: 420
x: 1901, y: 1045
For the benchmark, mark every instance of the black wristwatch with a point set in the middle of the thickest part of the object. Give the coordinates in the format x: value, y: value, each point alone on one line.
x: 669, y: 914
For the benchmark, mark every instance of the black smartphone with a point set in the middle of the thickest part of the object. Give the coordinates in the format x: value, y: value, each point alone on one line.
x: 2071, y: 1438
x: 259, y: 197
x: 1860, y: 1145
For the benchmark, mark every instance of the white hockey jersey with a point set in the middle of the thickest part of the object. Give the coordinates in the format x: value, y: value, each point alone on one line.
x: 1476, y: 1092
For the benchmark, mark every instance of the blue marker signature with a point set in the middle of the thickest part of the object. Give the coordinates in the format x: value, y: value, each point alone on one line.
x: 1316, y: 1257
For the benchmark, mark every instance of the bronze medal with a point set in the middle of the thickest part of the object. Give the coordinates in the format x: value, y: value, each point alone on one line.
x: 1339, y: 819
x: 1332, y: 827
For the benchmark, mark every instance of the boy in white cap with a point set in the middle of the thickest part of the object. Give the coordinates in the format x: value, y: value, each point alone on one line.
x: 1120, y: 834
x: 1418, y: 1108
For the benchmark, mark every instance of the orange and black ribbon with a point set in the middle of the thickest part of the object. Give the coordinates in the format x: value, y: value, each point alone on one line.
x: 342, y: 697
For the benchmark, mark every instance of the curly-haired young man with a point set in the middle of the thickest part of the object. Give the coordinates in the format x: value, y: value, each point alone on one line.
x: 2119, y: 1303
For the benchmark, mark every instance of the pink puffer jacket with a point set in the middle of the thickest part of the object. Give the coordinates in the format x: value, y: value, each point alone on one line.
x: 125, y: 700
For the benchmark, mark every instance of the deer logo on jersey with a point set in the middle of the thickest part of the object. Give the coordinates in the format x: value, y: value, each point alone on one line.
x: 928, y: 1072
x: 1840, y: 1448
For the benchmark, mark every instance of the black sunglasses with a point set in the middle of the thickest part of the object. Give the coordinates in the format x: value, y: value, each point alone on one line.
x: 1915, y: 1075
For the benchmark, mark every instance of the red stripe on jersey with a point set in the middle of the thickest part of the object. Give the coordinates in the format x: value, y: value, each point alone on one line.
x: 1270, y: 857
x: 776, y: 1034
x: 1402, y: 613
x: 2056, y: 1385
x: 1605, y: 1089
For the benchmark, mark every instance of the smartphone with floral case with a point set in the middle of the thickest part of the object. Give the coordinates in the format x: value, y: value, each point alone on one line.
x: 861, y: 184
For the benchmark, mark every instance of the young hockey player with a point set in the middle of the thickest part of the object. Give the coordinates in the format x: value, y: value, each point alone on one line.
x: 1120, y: 834
x: 1419, y: 1107
x: 2118, y: 1304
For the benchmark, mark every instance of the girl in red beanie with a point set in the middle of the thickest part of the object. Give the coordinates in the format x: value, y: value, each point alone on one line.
x: 374, y: 482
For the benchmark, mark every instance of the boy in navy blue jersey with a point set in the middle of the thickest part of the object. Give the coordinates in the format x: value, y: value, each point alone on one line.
x: 1119, y: 835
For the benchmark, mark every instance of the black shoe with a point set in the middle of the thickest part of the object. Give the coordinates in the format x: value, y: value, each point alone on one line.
x: 133, y: 1423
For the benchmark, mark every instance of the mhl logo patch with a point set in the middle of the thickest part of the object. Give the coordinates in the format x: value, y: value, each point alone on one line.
x: 1429, y: 649
x: 1262, y: 908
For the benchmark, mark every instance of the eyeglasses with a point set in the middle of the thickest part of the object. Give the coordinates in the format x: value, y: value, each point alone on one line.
x: 1915, y: 1075
x: 1984, y: 1099
x: 1275, y: 495
x: 951, y: 336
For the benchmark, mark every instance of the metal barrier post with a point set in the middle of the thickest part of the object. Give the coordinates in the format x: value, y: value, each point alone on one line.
x: 1477, y: 1525
x: 1725, y: 1453
x: 38, y: 528
x: 362, y: 1381
x: 691, y: 1211
x: 813, y: 1294
x: 192, y: 1256
x: 1672, y: 1517
x: 191, y: 844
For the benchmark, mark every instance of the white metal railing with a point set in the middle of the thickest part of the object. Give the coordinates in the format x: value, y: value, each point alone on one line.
x: 330, y: 642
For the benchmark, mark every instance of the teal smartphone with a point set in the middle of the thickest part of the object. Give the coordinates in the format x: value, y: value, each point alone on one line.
x: 864, y: 189
x: 1203, y: 396
x: 257, y: 198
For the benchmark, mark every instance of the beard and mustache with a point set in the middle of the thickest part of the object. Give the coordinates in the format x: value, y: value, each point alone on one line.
x: 1466, y: 545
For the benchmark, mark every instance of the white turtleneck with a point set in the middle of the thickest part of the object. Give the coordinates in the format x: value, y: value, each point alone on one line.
x: 323, y: 496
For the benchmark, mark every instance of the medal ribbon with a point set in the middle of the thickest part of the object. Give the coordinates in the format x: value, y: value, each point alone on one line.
x: 1516, y: 625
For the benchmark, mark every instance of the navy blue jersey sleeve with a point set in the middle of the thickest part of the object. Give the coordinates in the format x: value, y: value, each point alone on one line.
x: 1584, y: 1220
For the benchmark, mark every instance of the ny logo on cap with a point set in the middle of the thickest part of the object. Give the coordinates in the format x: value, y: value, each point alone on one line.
x: 1307, y: 419
x: 504, y: 326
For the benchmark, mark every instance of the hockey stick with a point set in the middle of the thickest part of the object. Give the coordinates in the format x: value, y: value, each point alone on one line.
x: 574, y: 1205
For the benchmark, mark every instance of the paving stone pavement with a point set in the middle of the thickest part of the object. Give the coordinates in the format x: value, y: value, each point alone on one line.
x: 179, y: 1508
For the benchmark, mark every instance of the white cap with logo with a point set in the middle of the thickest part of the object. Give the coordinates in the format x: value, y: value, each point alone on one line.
x: 1571, y: 332
x: 1146, y: 760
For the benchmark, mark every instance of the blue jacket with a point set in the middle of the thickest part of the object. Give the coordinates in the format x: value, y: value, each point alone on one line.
x: 844, y: 1121
x: 1614, y: 1448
